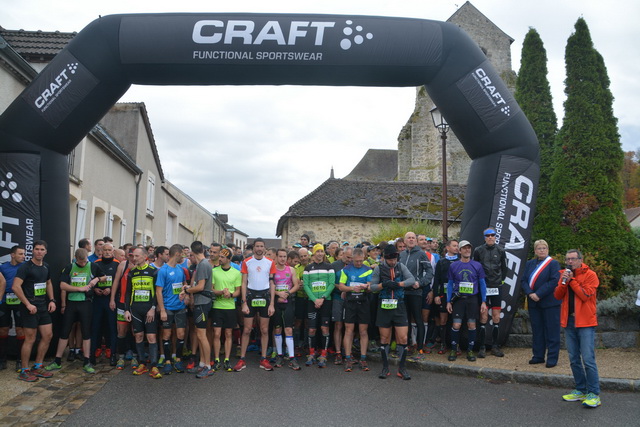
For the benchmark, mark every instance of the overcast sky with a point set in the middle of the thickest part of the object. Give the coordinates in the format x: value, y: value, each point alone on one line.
x: 253, y: 151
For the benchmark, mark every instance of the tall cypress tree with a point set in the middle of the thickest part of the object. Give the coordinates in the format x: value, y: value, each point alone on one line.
x: 586, y: 187
x: 533, y: 93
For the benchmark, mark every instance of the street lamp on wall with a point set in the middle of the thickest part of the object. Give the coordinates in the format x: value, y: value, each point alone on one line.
x: 443, y: 127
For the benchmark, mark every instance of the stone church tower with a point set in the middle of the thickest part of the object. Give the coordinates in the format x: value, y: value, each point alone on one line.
x: 419, y: 143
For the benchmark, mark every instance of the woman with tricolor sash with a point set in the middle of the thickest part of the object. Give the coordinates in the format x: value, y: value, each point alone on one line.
x: 539, y: 280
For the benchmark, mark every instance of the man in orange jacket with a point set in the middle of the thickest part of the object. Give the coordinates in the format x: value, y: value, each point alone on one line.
x: 577, y: 290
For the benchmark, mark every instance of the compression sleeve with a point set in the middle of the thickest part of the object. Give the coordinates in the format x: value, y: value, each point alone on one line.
x: 483, y: 289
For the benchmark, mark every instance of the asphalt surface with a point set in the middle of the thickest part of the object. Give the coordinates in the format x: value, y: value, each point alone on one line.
x: 327, y: 397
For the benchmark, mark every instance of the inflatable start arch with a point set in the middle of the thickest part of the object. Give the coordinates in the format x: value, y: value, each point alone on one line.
x: 83, y: 81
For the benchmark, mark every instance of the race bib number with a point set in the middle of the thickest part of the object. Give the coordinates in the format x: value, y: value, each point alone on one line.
x: 493, y: 292
x: 177, y: 288
x: 259, y: 302
x: 78, y: 281
x: 389, y: 304
x: 282, y: 288
x: 12, y: 299
x: 39, y: 289
x: 319, y: 287
x: 466, y: 288
x: 107, y: 283
x: 140, y: 295
x: 120, y: 315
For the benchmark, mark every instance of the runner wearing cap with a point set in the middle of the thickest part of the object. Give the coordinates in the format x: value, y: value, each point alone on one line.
x: 466, y: 282
x: 493, y: 259
x: 390, y: 278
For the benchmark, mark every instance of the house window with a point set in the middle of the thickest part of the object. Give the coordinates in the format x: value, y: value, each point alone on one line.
x: 151, y: 192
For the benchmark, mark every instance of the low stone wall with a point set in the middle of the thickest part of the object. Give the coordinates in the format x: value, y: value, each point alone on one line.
x: 610, y: 333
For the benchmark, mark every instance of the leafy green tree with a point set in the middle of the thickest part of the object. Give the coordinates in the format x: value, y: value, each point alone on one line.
x: 586, y: 188
x: 533, y: 93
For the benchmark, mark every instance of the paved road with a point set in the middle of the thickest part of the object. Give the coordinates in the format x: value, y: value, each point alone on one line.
x: 326, y: 397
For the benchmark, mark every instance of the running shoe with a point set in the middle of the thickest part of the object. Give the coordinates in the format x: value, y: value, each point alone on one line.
x: 89, y: 369
x: 107, y: 353
x: 495, y: 350
x: 322, y: 362
x: 591, y: 400
x: 98, y: 352
x: 141, y: 369
x: 415, y: 356
x: 155, y: 373
x: 238, y: 351
x: 293, y: 364
x: 161, y: 361
x: 41, y: 372
x: 338, y: 359
x: 482, y: 352
x: 403, y: 373
x: 384, y: 373
x: 240, y: 365
x: 443, y: 349
x: 364, y: 365
x: 120, y: 365
x: 134, y: 363
x: 311, y: 359
x: 217, y: 365
x: 79, y: 355
x: 453, y: 355
x: 279, y: 361
x: 191, y: 365
x: 53, y: 366
x: 374, y: 347
x: 113, y: 360
x: 167, y: 368
x: 179, y: 367
x: 27, y: 376
x: 18, y: 365
x: 574, y: 396
x: 227, y: 366
x: 264, y: 364
x: 204, y: 372
x: 348, y: 367
x: 194, y: 369
x: 71, y: 356
x: 470, y: 356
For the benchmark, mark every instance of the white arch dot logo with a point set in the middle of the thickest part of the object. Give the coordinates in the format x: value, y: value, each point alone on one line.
x: 9, y: 188
x: 346, y: 43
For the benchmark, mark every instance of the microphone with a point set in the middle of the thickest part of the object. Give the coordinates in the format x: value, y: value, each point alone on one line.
x: 564, y: 279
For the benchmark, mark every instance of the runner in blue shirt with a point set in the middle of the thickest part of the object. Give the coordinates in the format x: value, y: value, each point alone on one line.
x: 170, y: 281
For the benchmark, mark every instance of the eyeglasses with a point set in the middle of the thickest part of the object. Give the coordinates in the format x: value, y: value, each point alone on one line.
x: 490, y: 235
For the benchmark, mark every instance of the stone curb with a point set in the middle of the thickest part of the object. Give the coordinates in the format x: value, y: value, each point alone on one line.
x: 535, y: 378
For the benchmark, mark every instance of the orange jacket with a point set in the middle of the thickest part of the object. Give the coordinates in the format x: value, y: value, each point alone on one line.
x: 584, y: 285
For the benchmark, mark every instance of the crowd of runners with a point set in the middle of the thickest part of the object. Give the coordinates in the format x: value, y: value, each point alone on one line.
x: 200, y: 309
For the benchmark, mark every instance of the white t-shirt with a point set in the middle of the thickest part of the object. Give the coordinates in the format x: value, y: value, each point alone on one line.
x: 257, y: 271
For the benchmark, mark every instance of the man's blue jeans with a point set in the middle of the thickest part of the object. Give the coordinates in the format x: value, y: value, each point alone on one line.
x: 582, y: 355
